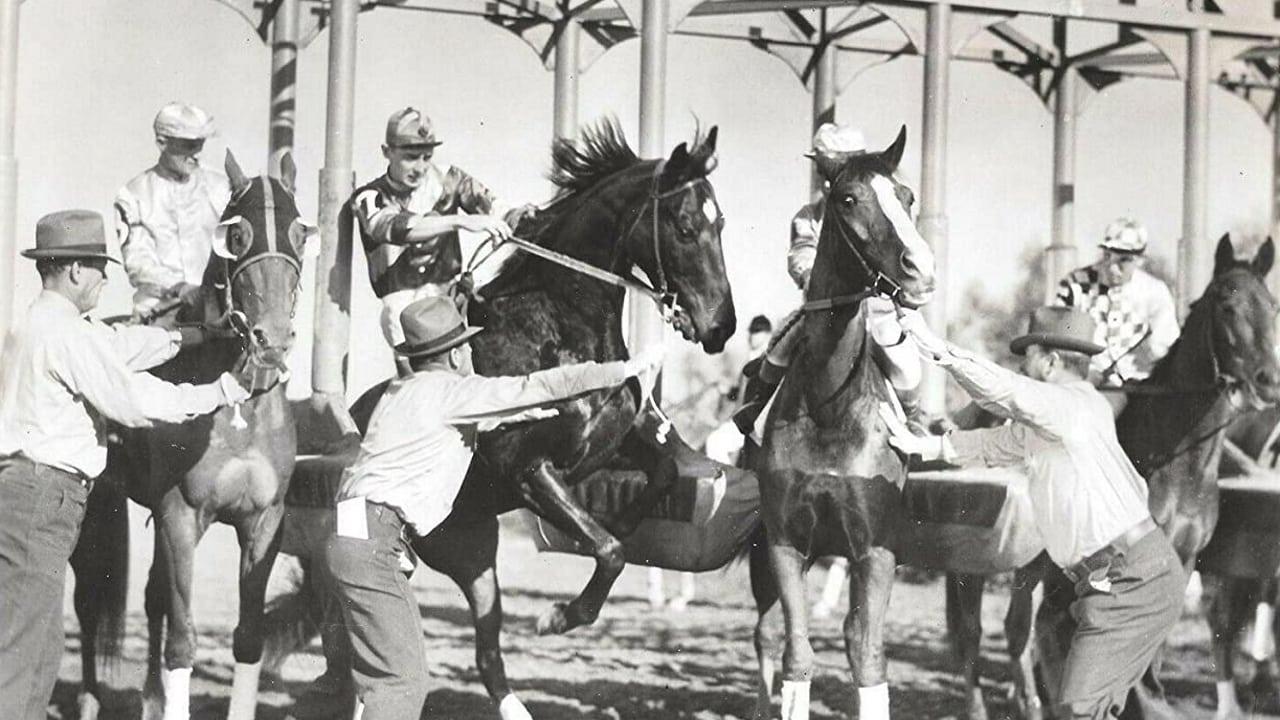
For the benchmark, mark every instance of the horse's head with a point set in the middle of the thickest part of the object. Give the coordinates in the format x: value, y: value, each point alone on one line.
x: 258, y: 251
x: 1240, y: 314
x: 675, y: 239
x: 868, y: 212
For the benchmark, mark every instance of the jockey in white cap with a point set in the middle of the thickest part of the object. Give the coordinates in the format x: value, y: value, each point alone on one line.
x: 166, y: 216
x: 895, y: 352
x: 1134, y: 311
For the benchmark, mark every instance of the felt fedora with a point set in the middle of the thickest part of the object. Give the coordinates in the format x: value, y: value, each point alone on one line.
x: 70, y: 234
x: 431, y: 326
x: 1061, y: 328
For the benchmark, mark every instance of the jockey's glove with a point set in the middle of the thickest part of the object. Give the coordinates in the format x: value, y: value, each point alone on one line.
x: 232, y: 391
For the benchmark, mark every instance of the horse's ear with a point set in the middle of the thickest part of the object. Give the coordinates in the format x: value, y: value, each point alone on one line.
x: 829, y: 165
x: 892, y: 155
x: 288, y: 173
x: 678, y: 163
x: 1265, y: 258
x: 1224, y: 258
x: 239, y: 181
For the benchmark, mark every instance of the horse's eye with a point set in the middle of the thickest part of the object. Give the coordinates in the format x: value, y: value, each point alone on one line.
x: 849, y: 201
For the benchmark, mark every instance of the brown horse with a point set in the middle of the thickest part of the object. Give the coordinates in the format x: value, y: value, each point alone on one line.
x: 232, y: 466
x: 1172, y: 428
x: 829, y: 482
x: 615, y: 212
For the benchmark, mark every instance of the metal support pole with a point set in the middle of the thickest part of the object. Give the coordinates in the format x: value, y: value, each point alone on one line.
x: 824, y: 96
x: 933, y: 178
x: 333, y: 266
x: 1193, y: 263
x: 644, y: 326
x: 8, y: 160
x: 284, y: 81
x: 1060, y: 257
x: 566, y: 81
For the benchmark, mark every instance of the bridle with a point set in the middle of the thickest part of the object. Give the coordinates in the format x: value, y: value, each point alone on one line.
x: 881, y: 284
x: 233, y: 267
x: 661, y: 291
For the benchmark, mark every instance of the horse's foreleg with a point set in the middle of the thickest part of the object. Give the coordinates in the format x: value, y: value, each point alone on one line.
x: 797, y: 655
x: 871, y: 583
x: 1017, y: 630
x: 178, y: 530
x: 964, y: 627
x: 548, y: 497
x: 259, y: 537
x: 156, y: 604
x: 768, y: 633
x: 468, y: 554
x: 1227, y: 615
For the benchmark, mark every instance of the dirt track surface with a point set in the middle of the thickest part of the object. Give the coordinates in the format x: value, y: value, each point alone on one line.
x: 634, y: 663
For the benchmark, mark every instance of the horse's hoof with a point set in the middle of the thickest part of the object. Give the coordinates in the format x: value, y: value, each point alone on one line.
x: 1229, y: 712
x: 89, y: 707
x: 512, y: 709
x: 977, y: 708
x: 679, y: 604
x: 555, y: 621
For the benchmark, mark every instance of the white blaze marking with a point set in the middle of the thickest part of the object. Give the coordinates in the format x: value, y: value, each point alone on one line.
x: 709, y: 209
x: 891, y: 206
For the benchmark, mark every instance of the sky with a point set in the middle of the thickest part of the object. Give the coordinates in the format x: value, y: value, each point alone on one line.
x: 92, y: 74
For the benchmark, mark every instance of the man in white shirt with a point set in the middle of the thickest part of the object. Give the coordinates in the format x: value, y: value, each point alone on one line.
x: 62, y: 376
x: 405, y: 478
x: 1125, y: 581
x: 166, y: 216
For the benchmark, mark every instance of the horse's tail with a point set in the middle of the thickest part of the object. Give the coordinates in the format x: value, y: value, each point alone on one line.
x: 101, y: 565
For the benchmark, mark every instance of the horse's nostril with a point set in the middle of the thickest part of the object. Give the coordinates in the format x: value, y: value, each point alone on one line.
x: 1267, y: 378
x: 909, y: 265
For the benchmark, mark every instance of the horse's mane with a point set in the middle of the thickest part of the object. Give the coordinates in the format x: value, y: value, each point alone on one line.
x: 600, y: 151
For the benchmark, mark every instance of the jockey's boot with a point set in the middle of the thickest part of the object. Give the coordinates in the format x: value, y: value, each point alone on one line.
x: 760, y: 387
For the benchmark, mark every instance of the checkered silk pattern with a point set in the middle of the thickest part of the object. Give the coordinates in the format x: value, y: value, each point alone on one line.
x: 1124, y: 317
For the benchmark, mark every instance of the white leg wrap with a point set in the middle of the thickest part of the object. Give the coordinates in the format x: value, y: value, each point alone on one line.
x: 358, y: 711
x: 657, y: 594
x: 795, y: 700
x: 177, y: 693
x: 512, y: 709
x: 1261, y: 643
x: 837, y: 576
x: 1227, y: 702
x: 873, y: 702
x: 244, y: 691
x: 1191, y: 596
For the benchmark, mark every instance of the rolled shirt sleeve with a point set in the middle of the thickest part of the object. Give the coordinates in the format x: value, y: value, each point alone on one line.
x: 477, y: 398
x: 133, y: 399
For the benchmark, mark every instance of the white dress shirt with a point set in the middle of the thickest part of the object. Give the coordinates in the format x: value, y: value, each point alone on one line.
x: 422, y: 435
x: 1084, y: 490
x: 62, y: 374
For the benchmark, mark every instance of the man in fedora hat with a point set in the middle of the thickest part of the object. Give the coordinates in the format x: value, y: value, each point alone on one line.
x: 1136, y: 319
x: 892, y: 350
x: 406, y: 476
x: 62, y: 376
x: 166, y: 216
x: 409, y: 219
x: 1121, y: 582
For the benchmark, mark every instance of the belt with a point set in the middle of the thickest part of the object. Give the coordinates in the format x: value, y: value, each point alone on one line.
x: 83, y: 480
x: 1120, y: 545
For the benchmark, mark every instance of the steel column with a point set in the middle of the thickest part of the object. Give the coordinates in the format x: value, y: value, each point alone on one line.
x: 1060, y: 257
x: 933, y: 178
x: 333, y: 266
x: 284, y: 81
x: 644, y: 326
x: 824, y: 95
x: 566, y: 80
x: 8, y: 160
x: 1193, y: 261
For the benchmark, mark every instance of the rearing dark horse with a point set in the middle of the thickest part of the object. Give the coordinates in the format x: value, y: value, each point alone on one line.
x: 232, y: 466
x: 615, y: 212
x: 829, y: 482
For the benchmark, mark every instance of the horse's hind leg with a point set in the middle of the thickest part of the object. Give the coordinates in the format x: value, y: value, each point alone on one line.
x: 1017, y: 631
x: 259, y: 536
x: 768, y: 633
x: 468, y: 554
x: 547, y: 496
x: 964, y: 627
x: 871, y: 583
